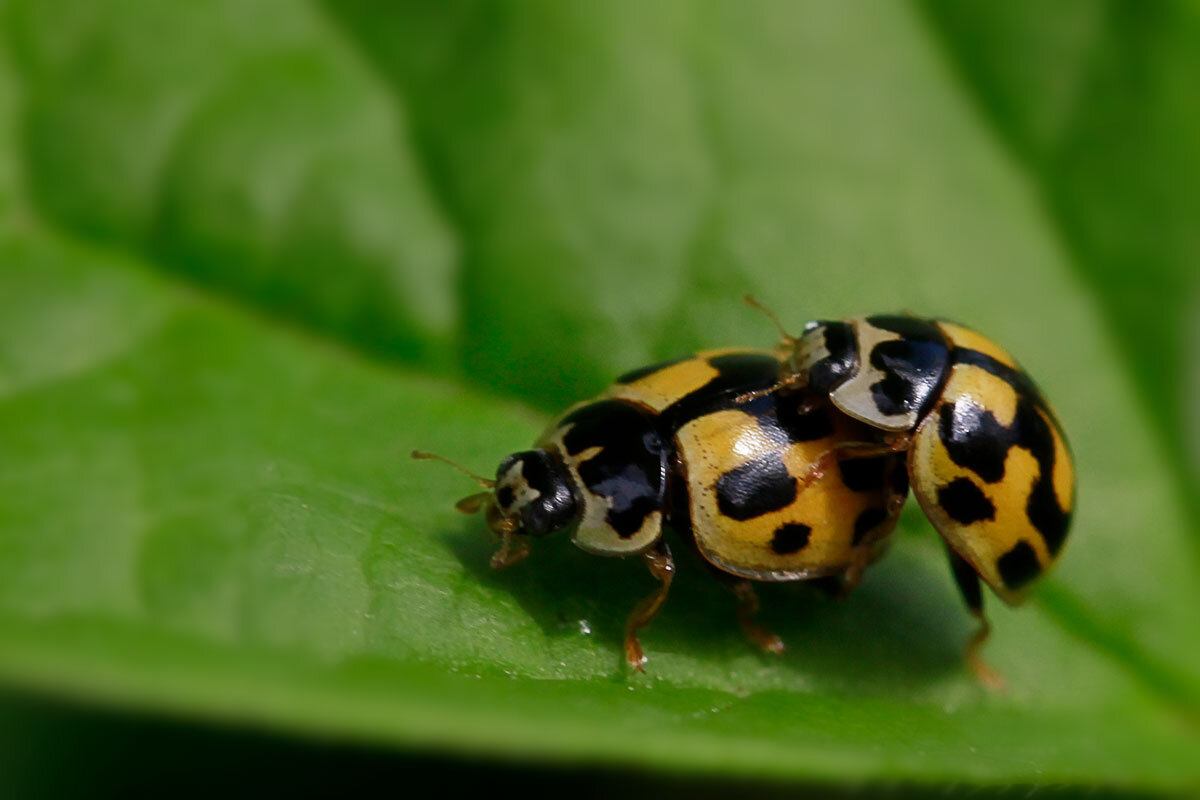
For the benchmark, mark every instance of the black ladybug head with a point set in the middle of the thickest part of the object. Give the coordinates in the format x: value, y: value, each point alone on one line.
x: 828, y: 353
x: 535, y: 491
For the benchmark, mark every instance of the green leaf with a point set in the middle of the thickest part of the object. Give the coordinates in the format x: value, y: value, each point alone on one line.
x: 254, y: 253
x: 1192, y: 392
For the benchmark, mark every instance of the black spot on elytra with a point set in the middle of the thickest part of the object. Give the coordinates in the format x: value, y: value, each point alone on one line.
x: 864, y: 474
x: 1014, y: 377
x: 866, y: 522
x: 976, y: 440
x: 631, y: 467
x: 1018, y: 566
x: 907, y: 326
x: 790, y: 538
x: 755, y: 488
x: 965, y: 502
x: 642, y: 372
x: 913, y: 366
x: 742, y: 372
x: 782, y: 419
x: 828, y: 373
x: 737, y: 374
x: 1047, y: 515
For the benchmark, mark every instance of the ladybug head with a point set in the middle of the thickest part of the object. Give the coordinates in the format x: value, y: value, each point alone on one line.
x: 532, y: 495
x: 826, y: 354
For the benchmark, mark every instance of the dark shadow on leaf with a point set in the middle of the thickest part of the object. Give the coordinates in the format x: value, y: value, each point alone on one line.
x: 903, y: 627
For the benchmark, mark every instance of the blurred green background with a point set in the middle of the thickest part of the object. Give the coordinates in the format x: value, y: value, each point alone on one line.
x: 252, y: 252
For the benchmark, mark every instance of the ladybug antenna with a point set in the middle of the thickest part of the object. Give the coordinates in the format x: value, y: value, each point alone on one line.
x: 486, y: 483
x: 753, y: 302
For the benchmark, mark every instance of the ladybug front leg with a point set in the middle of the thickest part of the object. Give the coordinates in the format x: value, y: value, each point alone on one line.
x: 968, y: 584
x: 847, y: 451
x: 662, y: 567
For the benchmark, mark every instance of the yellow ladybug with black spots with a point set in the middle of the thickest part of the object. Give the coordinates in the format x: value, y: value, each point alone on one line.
x: 710, y: 447
x: 987, y: 457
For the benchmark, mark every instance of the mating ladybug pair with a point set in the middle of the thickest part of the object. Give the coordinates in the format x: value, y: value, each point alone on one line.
x: 794, y: 464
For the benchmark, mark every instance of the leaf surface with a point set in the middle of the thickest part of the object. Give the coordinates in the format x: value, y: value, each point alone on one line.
x: 254, y: 253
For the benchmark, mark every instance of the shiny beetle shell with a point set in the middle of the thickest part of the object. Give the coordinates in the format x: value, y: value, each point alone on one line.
x: 987, y: 458
x: 750, y: 514
x: 731, y: 463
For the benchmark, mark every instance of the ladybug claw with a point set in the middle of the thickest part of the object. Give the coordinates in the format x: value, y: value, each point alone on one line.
x: 774, y: 645
x: 634, y: 656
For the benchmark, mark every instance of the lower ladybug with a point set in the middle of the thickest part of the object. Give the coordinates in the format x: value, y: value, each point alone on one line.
x: 710, y: 447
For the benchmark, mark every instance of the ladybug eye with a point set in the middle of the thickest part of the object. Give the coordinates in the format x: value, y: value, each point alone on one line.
x: 511, y: 486
x: 505, y: 497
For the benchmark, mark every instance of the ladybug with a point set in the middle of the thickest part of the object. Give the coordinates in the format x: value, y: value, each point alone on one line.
x: 987, y: 457
x: 711, y: 448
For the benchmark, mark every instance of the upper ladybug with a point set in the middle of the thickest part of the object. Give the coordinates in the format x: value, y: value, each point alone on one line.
x: 987, y: 458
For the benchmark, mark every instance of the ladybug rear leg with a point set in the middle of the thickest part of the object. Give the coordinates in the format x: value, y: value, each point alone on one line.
x: 968, y: 584
x: 747, y: 610
x: 662, y: 567
x: 874, y: 544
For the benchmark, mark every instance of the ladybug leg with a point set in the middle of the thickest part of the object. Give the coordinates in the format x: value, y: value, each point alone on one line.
x: 828, y: 585
x: 747, y: 609
x: 864, y: 557
x: 852, y: 577
x: 846, y: 451
x: 662, y: 567
x: 968, y: 584
x: 793, y: 380
x: 511, y: 551
x: 872, y: 547
x: 475, y: 503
